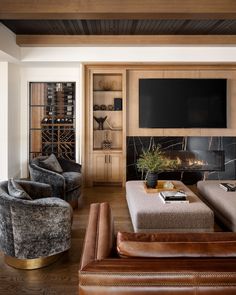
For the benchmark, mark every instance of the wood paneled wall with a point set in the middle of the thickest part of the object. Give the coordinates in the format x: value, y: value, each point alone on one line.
x: 133, y: 100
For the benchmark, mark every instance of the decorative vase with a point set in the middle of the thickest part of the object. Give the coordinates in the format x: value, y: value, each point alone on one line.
x: 152, y: 178
x: 100, y: 122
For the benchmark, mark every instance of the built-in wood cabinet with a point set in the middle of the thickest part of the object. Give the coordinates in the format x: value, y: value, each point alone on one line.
x: 107, y: 167
x: 105, y: 105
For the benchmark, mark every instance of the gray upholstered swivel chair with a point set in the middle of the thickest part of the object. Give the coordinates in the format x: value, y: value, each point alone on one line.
x: 66, y: 181
x: 33, y: 233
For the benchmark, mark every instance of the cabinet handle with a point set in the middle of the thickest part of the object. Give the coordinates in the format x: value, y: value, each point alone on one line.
x: 109, y: 159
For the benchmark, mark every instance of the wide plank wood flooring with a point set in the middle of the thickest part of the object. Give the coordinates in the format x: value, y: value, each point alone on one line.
x: 62, y: 276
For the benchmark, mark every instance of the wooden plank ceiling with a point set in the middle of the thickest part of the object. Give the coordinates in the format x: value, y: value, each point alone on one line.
x: 122, y: 27
x: 91, y: 21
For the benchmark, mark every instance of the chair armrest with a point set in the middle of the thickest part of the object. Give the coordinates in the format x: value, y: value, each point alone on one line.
x: 52, y: 178
x: 36, y: 190
x: 69, y: 166
x: 99, y: 237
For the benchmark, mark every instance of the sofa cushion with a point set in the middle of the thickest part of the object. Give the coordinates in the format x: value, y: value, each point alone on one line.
x: 15, y: 190
x: 72, y: 180
x: 222, y: 202
x: 158, y: 245
x: 51, y: 163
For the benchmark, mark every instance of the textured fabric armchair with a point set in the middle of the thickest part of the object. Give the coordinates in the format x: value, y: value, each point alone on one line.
x: 33, y: 232
x: 66, y: 184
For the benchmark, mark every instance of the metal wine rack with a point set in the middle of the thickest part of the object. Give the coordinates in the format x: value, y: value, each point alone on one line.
x: 52, y: 119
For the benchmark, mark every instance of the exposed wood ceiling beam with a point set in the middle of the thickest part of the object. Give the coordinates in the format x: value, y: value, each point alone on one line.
x: 117, y: 9
x: 75, y: 40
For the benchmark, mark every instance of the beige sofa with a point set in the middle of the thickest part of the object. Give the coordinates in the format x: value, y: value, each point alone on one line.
x: 223, y: 203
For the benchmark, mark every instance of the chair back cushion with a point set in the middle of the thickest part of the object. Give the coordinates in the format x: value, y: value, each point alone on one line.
x: 51, y: 163
x: 16, y: 190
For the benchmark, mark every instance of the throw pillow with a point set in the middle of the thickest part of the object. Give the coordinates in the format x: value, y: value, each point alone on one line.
x: 16, y: 190
x: 51, y: 163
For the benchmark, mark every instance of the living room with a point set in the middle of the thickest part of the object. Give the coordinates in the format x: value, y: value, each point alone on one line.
x: 106, y: 48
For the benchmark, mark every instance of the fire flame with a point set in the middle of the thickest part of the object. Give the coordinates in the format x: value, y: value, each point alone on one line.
x: 190, y: 162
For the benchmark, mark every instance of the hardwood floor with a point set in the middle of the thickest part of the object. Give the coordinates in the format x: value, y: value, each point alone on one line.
x: 62, y: 276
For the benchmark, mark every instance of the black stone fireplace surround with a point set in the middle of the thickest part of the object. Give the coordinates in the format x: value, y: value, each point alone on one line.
x: 201, y: 157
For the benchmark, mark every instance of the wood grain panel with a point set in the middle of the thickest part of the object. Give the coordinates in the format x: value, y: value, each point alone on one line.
x: 133, y: 103
x: 49, y: 40
x: 37, y: 93
x: 181, y: 74
x: 106, y: 9
x: 37, y: 114
x: 223, y: 74
x: 132, y: 126
x: 36, y: 142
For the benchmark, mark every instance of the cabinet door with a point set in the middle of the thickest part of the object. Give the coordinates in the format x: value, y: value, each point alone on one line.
x: 114, y: 168
x: 100, y: 167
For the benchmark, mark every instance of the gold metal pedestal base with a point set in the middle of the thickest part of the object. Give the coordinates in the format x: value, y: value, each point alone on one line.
x: 31, y: 263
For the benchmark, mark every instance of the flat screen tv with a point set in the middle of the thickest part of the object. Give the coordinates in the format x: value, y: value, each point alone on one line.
x: 182, y: 103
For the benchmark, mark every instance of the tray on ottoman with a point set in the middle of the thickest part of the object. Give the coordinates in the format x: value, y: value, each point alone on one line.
x: 159, y: 188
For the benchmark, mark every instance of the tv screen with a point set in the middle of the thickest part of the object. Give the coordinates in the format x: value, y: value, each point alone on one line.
x: 182, y: 103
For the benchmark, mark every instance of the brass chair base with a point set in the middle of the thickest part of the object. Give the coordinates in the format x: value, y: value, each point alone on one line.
x: 31, y: 263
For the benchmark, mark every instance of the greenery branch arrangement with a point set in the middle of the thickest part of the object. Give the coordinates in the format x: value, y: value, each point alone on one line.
x: 155, y: 161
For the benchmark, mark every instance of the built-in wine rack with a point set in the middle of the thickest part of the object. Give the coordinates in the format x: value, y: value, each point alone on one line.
x: 52, y: 124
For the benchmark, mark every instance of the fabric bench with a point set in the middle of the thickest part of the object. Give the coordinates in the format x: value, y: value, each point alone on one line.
x: 222, y: 202
x: 149, y: 213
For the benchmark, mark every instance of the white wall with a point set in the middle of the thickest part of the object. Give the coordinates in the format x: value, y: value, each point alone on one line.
x: 9, y: 50
x: 3, y: 120
x: 46, y: 72
x: 14, y: 114
x: 10, y: 141
x: 130, y: 54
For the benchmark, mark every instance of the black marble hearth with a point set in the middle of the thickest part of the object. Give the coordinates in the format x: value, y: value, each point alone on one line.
x: 214, y: 156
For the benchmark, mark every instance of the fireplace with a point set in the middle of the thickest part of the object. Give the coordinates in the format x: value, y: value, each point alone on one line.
x: 201, y: 157
x: 198, y: 160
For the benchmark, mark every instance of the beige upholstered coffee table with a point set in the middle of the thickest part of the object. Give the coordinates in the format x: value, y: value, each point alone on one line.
x: 148, y: 212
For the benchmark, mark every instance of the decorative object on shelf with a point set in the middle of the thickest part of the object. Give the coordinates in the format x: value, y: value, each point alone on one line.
x: 103, y: 107
x: 154, y: 161
x: 100, y: 121
x: 113, y: 128
x: 107, y: 85
x: 110, y: 107
x: 106, y: 144
x: 118, y: 104
x: 96, y: 107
